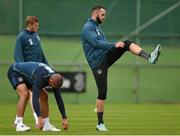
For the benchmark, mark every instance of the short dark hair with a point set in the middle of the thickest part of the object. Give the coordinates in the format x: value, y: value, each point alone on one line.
x: 31, y: 20
x: 56, y: 80
x: 97, y: 7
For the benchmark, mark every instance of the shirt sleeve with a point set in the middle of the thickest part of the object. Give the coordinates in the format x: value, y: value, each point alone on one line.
x: 18, y: 52
x: 91, y: 36
x: 60, y: 103
x: 36, y: 90
x: 35, y: 100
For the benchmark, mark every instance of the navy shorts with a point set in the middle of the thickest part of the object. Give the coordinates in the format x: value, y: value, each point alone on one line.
x: 16, y: 79
x: 100, y: 72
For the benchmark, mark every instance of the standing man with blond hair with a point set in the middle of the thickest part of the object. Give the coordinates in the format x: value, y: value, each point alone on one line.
x: 28, y: 49
x: 101, y: 54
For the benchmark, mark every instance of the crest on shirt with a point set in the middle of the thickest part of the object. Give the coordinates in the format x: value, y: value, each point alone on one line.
x: 99, y: 71
x: 20, y: 79
x: 98, y: 33
x: 30, y: 41
x: 38, y: 37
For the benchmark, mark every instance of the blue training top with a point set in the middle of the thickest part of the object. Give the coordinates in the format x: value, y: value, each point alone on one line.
x: 38, y: 75
x: 94, y: 43
x: 28, y: 48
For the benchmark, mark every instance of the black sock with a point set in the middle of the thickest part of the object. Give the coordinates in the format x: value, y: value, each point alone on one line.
x: 144, y: 55
x: 100, y: 117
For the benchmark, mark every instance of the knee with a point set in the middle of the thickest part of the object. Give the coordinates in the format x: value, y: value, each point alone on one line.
x: 24, y: 95
x: 22, y: 91
x: 127, y: 44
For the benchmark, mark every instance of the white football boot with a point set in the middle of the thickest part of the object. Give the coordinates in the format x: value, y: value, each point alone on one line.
x: 50, y: 127
x: 20, y: 127
x: 101, y: 127
x: 155, y: 54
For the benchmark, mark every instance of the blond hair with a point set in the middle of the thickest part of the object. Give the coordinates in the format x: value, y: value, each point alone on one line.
x: 31, y: 20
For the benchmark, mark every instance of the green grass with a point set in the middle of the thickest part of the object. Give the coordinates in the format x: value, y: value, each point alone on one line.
x: 125, y: 119
x: 156, y: 85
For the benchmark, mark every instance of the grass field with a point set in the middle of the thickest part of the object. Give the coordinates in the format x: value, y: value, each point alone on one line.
x: 124, y: 119
x: 157, y: 85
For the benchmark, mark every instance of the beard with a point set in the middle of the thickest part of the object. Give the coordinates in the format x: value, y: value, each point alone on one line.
x: 99, y: 21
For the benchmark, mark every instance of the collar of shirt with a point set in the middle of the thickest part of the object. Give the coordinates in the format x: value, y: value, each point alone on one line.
x: 28, y: 31
x: 46, y: 79
x: 93, y: 21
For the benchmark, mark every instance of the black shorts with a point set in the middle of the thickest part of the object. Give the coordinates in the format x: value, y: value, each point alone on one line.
x: 16, y: 79
x: 100, y: 72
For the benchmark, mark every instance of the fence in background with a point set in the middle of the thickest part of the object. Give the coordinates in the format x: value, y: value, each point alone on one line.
x: 145, y: 20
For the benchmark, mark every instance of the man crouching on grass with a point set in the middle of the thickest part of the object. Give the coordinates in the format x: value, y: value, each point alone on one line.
x: 37, y: 76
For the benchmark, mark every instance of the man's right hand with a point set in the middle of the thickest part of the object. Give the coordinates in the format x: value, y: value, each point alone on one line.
x: 65, y: 124
x: 40, y: 123
x: 119, y: 44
